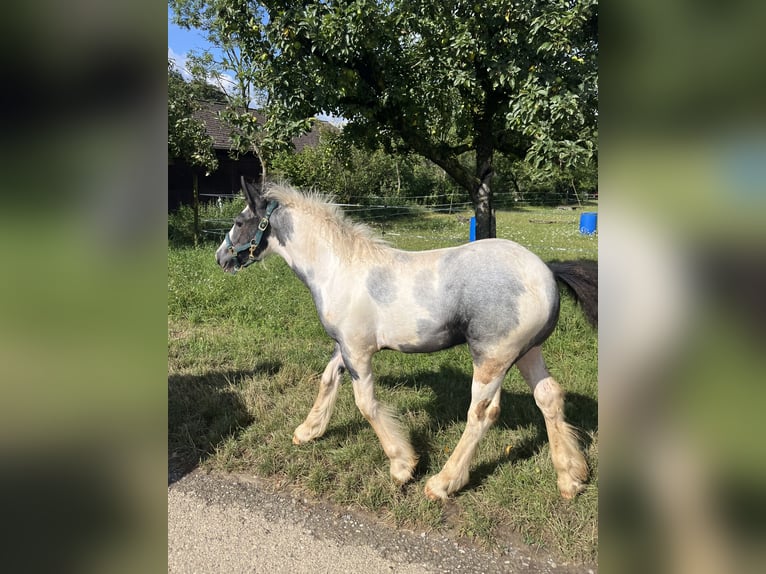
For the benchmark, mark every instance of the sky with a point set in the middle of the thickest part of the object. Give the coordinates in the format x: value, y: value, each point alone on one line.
x: 181, y: 42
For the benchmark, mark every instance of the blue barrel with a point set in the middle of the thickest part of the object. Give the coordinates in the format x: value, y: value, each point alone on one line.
x: 472, y: 231
x: 588, y: 222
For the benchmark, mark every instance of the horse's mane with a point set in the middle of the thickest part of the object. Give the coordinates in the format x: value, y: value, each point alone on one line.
x: 348, y: 238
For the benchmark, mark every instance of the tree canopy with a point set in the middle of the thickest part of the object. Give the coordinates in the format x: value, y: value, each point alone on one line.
x: 455, y: 81
x: 187, y: 137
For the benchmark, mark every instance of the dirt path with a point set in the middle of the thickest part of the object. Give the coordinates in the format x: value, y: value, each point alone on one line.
x: 222, y: 523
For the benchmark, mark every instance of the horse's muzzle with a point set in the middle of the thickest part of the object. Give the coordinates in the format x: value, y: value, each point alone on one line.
x: 226, y: 262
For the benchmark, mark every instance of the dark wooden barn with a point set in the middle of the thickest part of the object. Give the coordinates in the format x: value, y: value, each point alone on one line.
x: 225, y: 179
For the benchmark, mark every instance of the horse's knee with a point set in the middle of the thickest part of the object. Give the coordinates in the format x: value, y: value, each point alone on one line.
x: 549, y: 397
x: 367, y: 406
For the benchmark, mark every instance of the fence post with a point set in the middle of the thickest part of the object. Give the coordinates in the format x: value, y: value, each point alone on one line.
x: 195, y: 203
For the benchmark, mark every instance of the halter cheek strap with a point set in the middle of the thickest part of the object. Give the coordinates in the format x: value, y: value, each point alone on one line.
x: 252, y: 246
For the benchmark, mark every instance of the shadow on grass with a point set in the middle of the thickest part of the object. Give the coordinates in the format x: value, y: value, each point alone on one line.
x: 451, y: 398
x: 204, y: 411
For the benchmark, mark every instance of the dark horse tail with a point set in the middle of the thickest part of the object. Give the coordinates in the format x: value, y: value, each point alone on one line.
x: 581, y: 277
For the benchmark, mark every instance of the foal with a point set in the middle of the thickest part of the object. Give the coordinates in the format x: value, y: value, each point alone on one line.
x: 493, y: 294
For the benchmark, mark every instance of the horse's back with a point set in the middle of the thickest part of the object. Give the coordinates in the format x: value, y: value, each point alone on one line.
x: 503, y: 255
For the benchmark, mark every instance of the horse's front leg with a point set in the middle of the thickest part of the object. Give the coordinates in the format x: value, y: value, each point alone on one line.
x: 389, y: 430
x: 316, y: 422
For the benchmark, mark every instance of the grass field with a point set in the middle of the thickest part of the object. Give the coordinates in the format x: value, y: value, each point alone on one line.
x: 244, y: 357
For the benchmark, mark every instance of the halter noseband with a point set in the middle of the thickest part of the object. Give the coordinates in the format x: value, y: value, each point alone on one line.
x: 254, y: 242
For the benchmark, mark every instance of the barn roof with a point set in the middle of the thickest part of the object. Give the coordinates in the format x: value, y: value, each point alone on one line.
x: 219, y: 131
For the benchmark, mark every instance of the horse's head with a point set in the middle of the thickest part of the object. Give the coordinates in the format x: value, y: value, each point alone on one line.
x: 248, y: 239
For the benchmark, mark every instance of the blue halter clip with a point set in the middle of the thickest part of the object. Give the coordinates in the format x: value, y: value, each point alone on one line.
x: 254, y: 242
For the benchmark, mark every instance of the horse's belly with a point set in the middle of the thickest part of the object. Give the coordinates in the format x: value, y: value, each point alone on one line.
x: 426, y: 337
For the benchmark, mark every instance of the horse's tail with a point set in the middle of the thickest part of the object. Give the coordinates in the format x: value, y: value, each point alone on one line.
x: 581, y: 277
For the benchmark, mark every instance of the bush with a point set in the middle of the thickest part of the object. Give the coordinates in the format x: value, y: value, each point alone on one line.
x: 181, y: 226
x: 215, y: 219
x: 518, y: 181
x: 355, y: 175
x: 358, y: 176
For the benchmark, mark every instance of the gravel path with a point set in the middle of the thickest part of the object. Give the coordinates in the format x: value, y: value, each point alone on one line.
x: 225, y: 523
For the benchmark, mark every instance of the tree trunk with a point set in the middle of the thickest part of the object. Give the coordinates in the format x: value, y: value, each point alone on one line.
x: 477, y: 184
x: 482, y: 194
x: 519, y: 194
x: 485, y: 220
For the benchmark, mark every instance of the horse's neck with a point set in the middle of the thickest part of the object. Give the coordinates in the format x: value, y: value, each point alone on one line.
x: 319, y: 261
x: 313, y: 258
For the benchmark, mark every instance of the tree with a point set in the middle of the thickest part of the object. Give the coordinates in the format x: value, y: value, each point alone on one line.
x: 187, y: 138
x: 242, y: 56
x: 353, y: 174
x: 455, y: 81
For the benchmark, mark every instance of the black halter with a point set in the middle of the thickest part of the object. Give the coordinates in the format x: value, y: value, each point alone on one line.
x: 254, y: 242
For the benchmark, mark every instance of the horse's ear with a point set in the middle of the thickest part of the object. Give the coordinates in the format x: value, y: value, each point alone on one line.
x: 252, y: 194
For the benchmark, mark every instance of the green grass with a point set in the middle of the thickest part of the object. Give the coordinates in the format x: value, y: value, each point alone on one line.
x: 246, y: 351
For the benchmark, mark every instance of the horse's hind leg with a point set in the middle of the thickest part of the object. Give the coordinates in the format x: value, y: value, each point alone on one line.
x: 317, y: 419
x: 570, y: 465
x: 484, y: 410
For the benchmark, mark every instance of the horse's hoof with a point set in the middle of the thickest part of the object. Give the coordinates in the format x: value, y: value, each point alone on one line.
x: 302, y: 435
x: 572, y: 481
x: 297, y: 440
x: 401, y: 478
x: 431, y: 495
x: 401, y: 472
x: 570, y: 488
x: 434, y: 493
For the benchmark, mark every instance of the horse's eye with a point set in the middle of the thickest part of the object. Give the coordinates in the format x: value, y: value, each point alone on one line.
x: 238, y: 223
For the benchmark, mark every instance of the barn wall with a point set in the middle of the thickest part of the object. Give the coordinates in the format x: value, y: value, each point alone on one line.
x: 224, y: 180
